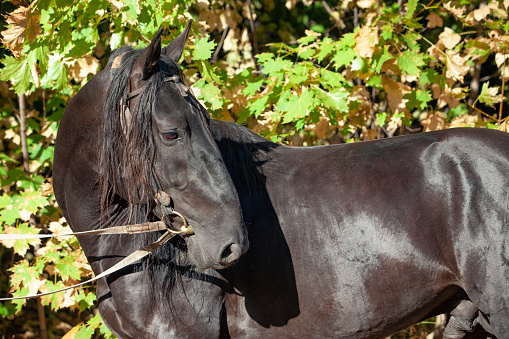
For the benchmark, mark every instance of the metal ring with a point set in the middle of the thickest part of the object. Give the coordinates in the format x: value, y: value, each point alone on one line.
x: 186, y: 229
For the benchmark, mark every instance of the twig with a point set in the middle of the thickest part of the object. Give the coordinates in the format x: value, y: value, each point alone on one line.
x: 42, y: 319
x: 502, y: 93
x: 218, y: 48
x: 23, y: 133
x: 253, y: 33
x: 478, y: 110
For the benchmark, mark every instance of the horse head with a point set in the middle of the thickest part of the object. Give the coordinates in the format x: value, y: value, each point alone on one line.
x: 157, y: 139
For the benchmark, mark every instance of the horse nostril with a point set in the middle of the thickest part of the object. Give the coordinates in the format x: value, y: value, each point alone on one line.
x: 230, y: 253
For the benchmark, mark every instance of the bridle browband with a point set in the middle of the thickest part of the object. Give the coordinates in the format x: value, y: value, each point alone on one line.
x: 161, y: 198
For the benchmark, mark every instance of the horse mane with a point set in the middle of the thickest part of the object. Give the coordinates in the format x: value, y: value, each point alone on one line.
x: 126, y: 155
x: 126, y: 158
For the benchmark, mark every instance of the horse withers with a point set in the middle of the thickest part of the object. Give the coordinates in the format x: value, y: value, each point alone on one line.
x: 346, y: 241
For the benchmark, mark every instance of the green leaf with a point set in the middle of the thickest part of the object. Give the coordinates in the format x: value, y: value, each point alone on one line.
x: 417, y: 99
x: 337, y: 100
x: 258, y: 106
x: 410, y: 62
x: 296, y: 107
x: 489, y: 95
x: 252, y: 87
x: 306, y: 53
x: 412, y: 6
x: 382, y: 57
x: 203, y: 49
x: 274, y: 67
x: 68, y: 269
x: 18, y: 73
x: 411, y: 39
x: 381, y: 118
x: 212, y: 95
x: 387, y: 32
x: 56, y: 77
x: 343, y: 58
x: 326, y: 47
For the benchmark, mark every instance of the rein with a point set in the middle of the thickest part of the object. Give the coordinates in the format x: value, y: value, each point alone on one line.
x: 124, y: 229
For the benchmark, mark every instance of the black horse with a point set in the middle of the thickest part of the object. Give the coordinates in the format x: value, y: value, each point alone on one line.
x: 346, y: 241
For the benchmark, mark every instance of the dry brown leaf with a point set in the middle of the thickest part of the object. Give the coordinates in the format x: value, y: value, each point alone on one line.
x: 81, y: 68
x: 434, y: 122
x: 456, y: 11
x: 23, y: 23
x: 463, y: 120
x: 449, y: 38
x: 436, y: 50
x: 499, y: 59
x: 290, y: 4
x: 436, y: 90
x: 366, y: 41
x: 34, y: 285
x: 322, y: 128
x: 395, y: 92
x: 434, y: 20
x: 369, y: 134
x: 390, y: 67
x: 504, y: 126
x: 10, y: 243
x: 57, y: 228
x: 116, y: 5
x: 480, y: 13
x: 457, y: 66
x: 451, y: 96
x: 365, y: 3
x: 25, y: 215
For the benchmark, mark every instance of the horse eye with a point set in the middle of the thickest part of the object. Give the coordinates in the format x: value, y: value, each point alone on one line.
x: 171, y: 135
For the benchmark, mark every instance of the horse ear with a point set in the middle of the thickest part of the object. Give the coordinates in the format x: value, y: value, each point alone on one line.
x: 176, y: 47
x: 144, y: 64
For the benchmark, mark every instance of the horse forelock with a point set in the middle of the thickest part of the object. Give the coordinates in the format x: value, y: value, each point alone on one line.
x: 127, y: 154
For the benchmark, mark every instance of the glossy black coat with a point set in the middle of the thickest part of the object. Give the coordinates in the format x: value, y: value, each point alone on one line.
x: 348, y: 241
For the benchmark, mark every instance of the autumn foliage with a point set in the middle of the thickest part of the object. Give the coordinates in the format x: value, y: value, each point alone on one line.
x: 297, y: 72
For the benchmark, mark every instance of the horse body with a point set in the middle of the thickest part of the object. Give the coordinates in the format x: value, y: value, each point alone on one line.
x: 346, y: 241
x: 368, y: 238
